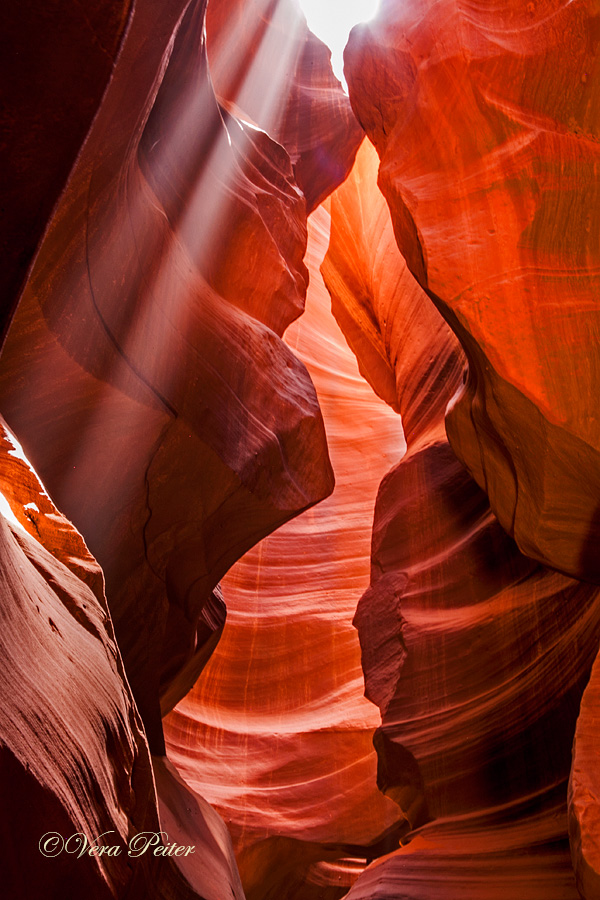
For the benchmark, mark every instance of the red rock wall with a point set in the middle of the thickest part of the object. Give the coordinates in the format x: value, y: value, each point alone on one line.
x: 170, y: 424
x: 584, y: 793
x: 476, y: 655
x: 486, y: 121
x: 50, y: 51
x: 72, y: 746
x: 146, y: 375
x: 477, y: 857
x: 404, y: 348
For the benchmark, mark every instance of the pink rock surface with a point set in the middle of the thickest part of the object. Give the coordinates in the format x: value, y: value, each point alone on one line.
x: 74, y: 755
x: 190, y: 822
x: 146, y: 374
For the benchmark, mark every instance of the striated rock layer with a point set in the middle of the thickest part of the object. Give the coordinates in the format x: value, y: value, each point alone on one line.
x: 477, y: 857
x: 189, y: 821
x: 277, y: 734
x: 146, y: 373
x: 74, y: 755
x: 476, y: 655
x: 404, y: 348
x: 485, y: 117
x: 265, y: 61
x: 143, y: 371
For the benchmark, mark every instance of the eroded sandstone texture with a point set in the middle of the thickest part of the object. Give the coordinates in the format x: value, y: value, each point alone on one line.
x: 476, y: 655
x: 146, y: 374
x: 584, y: 792
x: 485, y: 117
x: 475, y: 857
x: 404, y: 348
x: 143, y: 371
x: 74, y: 758
x: 277, y: 734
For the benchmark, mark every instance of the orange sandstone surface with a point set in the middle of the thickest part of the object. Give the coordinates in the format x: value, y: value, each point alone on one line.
x: 476, y: 655
x: 485, y: 117
x: 169, y: 421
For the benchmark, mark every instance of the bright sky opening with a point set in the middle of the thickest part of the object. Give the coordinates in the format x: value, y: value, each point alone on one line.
x: 332, y: 20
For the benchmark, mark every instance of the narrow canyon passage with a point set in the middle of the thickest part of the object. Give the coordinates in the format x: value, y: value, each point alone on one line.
x: 277, y: 734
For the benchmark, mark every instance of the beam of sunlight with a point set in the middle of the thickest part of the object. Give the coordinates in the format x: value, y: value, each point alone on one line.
x: 253, y: 59
x: 148, y: 305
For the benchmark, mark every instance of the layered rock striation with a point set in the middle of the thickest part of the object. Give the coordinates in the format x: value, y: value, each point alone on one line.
x: 277, y: 734
x: 76, y: 769
x: 476, y: 655
x: 485, y: 118
x: 146, y: 373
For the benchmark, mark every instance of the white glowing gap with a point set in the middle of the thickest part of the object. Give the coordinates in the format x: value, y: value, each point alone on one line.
x: 332, y: 20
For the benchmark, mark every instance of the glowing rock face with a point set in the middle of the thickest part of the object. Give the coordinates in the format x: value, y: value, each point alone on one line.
x: 485, y: 118
x: 170, y: 424
x: 146, y: 375
x: 467, y: 645
x: 73, y: 751
x: 404, y: 348
x: 277, y: 734
x: 474, y: 858
x: 265, y: 61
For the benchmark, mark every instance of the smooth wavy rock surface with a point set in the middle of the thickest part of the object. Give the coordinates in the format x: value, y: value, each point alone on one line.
x: 277, y: 734
x: 404, y: 348
x: 485, y: 117
x: 476, y: 655
x: 50, y: 51
x: 171, y: 426
x: 473, y: 858
x: 187, y: 820
x: 265, y: 61
x: 584, y: 792
x: 74, y: 756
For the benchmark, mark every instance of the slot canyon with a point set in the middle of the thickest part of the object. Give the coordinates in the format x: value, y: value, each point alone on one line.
x: 300, y: 452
